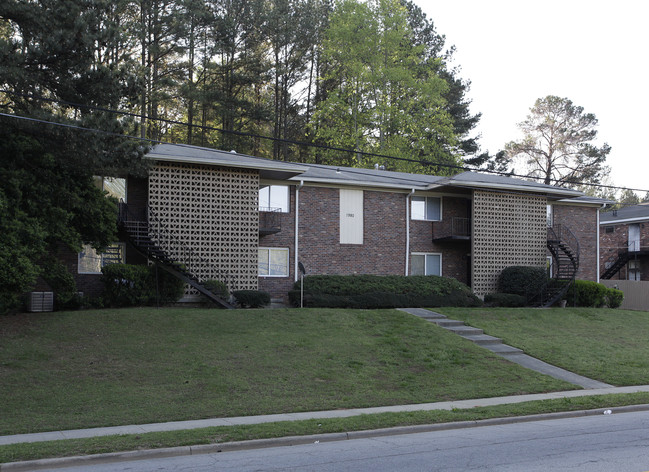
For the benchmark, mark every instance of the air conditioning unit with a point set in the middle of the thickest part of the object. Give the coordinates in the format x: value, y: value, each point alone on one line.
x: 40, y: 301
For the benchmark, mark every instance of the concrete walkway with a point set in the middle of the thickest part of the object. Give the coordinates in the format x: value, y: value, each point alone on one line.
x: 247, y: 420
x: 510, y: 353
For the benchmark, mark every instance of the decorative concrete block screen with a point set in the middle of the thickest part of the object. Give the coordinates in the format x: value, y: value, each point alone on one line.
x: 215, y: 211
x: 508, y: 230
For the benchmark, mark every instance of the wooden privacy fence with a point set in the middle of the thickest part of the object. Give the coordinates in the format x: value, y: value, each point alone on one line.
x: 636, y: 293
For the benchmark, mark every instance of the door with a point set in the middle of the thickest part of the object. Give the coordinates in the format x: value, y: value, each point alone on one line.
x: 634, y: 238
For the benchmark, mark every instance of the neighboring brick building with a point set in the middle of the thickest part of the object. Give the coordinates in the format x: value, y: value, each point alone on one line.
x: 249, y: 221
x: 624, y: 243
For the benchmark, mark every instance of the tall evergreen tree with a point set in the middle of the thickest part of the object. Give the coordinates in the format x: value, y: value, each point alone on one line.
x: 557, y: 144
x: 55, y: 53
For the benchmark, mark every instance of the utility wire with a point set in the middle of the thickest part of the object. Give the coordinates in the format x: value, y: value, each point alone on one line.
x: 288, y: 141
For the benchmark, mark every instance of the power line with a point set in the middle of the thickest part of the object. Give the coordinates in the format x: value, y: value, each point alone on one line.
x: 237, y: 133
x: 288, y: 141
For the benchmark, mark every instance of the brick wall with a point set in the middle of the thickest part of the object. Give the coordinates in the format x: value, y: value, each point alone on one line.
x: 384, y: 234
x: 89, y: 284
x: 383, y: 251
x: 582, y: 221
x: 279, y: 286
x: 612, y: 243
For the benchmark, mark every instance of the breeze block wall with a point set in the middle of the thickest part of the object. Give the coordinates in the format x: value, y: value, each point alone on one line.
x: 508, y: 230
x: 213, y: 210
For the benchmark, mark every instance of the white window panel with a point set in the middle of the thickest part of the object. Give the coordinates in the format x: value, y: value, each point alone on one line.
x: 426, y: 208
x: 273, y: 262
x: 273, y: 197
x: 426, y: 264
x: 351, y: 216
x: 114, y: 186
x: 90, y: 261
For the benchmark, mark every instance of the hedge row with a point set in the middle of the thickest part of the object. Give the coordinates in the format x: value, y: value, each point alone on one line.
x: 387, y: 291
x: 135, y: 285
x: 593, y: 294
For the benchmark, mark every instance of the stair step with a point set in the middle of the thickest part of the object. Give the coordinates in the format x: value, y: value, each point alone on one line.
x: 433, y: 316
x: 503, y: 349
x: 464, y: 330
x: 482, y: 339
x: 446, y: 323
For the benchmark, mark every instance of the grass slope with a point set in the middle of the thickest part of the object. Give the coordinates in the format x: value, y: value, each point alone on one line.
x: 98, y: 368
x: 603, y: 344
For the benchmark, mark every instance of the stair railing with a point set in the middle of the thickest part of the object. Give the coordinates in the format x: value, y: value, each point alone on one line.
x: 178, y: 250
x: 562, y: 233
x: 559, y: 238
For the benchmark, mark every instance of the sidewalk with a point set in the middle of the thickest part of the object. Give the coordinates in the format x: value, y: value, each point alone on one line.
x: 247, y: 420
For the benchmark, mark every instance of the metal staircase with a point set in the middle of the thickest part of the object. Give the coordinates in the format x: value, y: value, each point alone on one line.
x: 621, y: 260
x: 564, y: 247
x: 157, y: 243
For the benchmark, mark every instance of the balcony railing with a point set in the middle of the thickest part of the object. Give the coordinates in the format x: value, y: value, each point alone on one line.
x: 459, y: 229
x: 270, y: 221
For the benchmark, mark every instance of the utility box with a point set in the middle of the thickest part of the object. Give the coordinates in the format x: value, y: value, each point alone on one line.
x: 40, y: 301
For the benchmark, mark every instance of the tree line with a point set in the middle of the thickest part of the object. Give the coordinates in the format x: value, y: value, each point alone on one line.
x: 372, y: 77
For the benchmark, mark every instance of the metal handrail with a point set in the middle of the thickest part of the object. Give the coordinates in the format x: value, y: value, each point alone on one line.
x: 564, y: 234
x: 270, y: 219
x: 171, y: 243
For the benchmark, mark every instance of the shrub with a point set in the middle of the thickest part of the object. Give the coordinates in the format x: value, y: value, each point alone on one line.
x: 218, y: 288
x: 390, y: 291
x: 588, y: 293
x: 62, y: 284
x: 614, y: 298
x: 126, y: 285
x: 135, y: 285
x: 170, y: 287
x: 522, y: 280
x: 505, y: 299
x: 251, y: 298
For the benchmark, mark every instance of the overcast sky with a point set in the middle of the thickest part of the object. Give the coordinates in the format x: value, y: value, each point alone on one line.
x: 592, y: 52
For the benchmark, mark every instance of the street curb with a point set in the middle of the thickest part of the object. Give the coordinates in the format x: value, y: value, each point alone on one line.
x: 76, y: 461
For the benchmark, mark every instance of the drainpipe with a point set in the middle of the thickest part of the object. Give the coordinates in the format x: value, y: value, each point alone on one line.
x: 408, y: 229
x: 597, y: 243
x: 297, y: 221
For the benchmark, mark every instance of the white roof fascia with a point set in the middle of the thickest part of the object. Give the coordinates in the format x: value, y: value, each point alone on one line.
x: 261, y: 164
x: 357, y: 183
x: 626, y: 220
x: 517, y: 188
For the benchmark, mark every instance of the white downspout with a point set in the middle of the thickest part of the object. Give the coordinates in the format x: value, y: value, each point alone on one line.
x: 408, y: 229
x: 597, y: 243
x: 297, y: 221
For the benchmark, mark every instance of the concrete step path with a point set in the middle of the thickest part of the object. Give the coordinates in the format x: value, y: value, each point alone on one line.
x: 510, y: 353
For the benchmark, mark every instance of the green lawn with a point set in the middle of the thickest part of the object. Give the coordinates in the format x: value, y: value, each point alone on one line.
x: 603, y: 344
x: 108, y: 367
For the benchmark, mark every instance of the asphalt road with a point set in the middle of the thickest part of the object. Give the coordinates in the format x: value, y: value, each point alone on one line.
x: 616, y: 442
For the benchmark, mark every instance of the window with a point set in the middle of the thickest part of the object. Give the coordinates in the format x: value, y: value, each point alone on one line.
x: 91, y: 262
x: 272, y: 197
x: 426, y: 264
x: 273, y: 262
x: 634, y: 270
x: 549, y: 216
x: 115, y: 187
x: 426, y: 208
x: 549, y: 265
